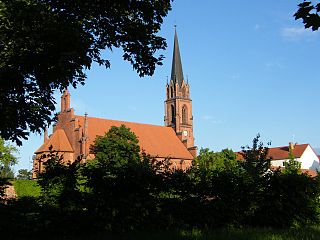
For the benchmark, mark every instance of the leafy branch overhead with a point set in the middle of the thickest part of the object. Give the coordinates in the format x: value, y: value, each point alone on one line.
x: 48, y: 44
x: 309, y: 13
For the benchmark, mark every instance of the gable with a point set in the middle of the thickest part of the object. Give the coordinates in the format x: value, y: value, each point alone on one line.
x: 59, y: 142
x: 158, y: 141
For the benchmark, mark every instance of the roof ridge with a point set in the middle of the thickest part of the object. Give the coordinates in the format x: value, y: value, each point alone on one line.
x: 288, y: 145
x: 120, y: 121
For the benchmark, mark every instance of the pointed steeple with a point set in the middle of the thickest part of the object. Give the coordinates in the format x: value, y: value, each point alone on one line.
x: 176, y: 71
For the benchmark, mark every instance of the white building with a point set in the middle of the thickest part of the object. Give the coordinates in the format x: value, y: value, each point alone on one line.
x: 303, y: 153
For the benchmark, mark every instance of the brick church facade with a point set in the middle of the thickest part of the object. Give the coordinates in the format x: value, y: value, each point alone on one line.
x: 73, y: 135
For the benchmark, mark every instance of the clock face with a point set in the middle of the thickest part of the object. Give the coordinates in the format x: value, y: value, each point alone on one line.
x: 185, y: 133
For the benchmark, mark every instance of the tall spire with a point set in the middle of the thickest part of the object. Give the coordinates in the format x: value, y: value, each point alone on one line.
x: 176, y: 71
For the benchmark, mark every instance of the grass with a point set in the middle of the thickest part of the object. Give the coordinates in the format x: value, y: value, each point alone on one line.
x: 308, y: 233
x: 26, y: 188
x: 311, y: 233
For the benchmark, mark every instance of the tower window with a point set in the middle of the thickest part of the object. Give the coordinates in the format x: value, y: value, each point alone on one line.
x: 184, y: 114
x: 173, y: 119
x: 172, y: 92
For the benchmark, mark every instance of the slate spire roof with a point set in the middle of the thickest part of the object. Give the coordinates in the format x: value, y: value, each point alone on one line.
x: 176, y: 71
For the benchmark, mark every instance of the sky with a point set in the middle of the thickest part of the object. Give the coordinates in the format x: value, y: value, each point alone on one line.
x: 251, y: 67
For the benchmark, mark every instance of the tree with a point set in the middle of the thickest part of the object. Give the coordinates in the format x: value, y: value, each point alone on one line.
x: 48, y: 44
x: 24, y: 174
x: 309, y: 13
x: 59, y: 182
x: 218, y: 185
x: 256, y: 161
x: 7, y: 159
x: 292, y: 166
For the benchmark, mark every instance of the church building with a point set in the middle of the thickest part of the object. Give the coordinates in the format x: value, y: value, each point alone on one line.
x: 73, y: 134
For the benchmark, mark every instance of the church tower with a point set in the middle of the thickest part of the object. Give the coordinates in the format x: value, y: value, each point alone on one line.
x: 178, y: 105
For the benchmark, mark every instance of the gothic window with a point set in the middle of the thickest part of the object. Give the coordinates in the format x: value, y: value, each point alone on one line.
x: 184, y: 114
x: 172, y: 92
x: 173, y: 119
x: 168, y: 92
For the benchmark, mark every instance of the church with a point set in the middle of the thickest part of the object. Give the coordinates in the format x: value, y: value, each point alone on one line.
x: 73, y: 134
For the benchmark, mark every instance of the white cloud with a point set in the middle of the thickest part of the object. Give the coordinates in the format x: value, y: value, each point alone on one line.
x: 210, y: 119
x: 273, y: 64
x: 297, y: 33
x: 216, y: 122
x: 206, y: 117
x: 235, y: 76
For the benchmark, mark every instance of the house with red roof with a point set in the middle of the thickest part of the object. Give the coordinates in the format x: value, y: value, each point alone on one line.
x: 303, y: 153
x: 73, y: 135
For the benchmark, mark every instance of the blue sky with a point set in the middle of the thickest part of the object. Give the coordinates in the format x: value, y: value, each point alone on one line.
x: 252, y: 69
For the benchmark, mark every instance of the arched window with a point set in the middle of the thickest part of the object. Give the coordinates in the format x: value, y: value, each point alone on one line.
x: 172, y: 92
x: 168, y: 91
x: 184, y: 114
x: 173, y: 115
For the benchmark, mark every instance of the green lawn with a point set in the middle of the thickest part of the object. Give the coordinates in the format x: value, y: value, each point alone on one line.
x: 26, y: 188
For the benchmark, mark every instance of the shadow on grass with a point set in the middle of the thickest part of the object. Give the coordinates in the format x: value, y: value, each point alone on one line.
x: 25, y: 218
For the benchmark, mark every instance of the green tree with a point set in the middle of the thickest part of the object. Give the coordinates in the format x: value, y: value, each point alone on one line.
x: 122, y: 183
x: 257, y: 174
x: 48, y: 44
x: 255, y: 159
x: 292, y: 166
x: 24, y: 174
x: 209, y: 160
x: 59, y: 182
x: 218, y: 186
x: 7, y: 159
x: 309, y: 13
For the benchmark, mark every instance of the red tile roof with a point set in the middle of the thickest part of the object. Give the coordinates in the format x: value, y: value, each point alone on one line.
x: 310, y: 172
x: 59, y: 142
x: 279, y: 153
x: 158, y: 141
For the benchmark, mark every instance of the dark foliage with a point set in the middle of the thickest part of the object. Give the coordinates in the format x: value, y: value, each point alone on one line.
x: 123, y: 190
x: 48, y: 44
x: 309, y: 13
x: 59, y: 183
